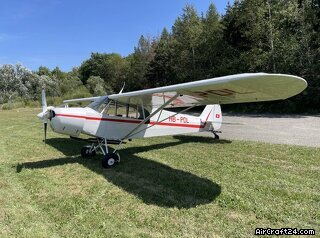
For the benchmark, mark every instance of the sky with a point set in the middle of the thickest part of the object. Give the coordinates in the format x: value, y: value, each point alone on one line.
x: 63, y: 33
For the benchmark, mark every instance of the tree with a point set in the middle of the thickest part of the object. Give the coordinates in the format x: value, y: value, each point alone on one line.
x: 138, y: 63
x: 57, y: 73
x: 9, y: 83
x: 17, y: 81
x: 308, y: 52
x: 110, y: 67
x: 97, y: 87
x: 186, y: 31
x: 69, y: 83
x: 160, y: 70
x: 43, y: 70
x: 211, y: 46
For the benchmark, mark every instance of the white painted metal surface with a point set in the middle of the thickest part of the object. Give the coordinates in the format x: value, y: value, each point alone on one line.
x: 73, y: 121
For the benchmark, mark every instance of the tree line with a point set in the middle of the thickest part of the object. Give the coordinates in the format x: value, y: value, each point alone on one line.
x: 272, y: 36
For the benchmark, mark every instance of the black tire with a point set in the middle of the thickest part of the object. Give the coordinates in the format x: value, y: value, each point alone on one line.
x: 85, y: 152
x: 109, y: 160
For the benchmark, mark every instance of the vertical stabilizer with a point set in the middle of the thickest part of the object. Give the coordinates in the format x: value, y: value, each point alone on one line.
x: 212, y: 115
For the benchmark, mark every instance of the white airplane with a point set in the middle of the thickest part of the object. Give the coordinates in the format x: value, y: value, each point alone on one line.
x: 162, y: 111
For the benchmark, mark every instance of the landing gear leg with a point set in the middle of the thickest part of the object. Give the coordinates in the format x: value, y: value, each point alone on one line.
x: 109, y: 159
x: 88, y: 151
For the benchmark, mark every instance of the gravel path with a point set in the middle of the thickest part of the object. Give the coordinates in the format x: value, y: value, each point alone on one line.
x: 285, y: 129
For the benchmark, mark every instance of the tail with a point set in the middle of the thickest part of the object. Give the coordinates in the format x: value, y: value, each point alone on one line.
x: 212, y: 117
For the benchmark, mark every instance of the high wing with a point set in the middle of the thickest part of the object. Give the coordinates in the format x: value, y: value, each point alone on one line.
x: 238, y: 88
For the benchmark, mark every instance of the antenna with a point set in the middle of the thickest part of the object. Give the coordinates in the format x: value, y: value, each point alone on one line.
x: 124, y: 84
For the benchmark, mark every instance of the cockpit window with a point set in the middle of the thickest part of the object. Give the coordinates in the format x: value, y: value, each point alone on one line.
x: 114, y: 108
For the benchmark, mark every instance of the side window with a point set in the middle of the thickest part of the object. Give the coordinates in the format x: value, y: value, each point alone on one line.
x: 125, y: 110
x: 132, y: 111
x: 110, y: 109
x: 120, y: 110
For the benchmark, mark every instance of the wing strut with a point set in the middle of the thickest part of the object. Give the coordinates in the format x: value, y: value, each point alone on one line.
x: 151, y: 115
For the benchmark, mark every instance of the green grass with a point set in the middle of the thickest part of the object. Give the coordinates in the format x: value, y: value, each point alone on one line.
x: 183, y: 186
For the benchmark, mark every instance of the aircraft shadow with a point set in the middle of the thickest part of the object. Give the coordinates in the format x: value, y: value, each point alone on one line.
x: 151, y: 181
x: 200, y: 139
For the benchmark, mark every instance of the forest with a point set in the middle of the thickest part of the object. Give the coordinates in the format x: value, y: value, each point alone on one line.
x: 272, y: 36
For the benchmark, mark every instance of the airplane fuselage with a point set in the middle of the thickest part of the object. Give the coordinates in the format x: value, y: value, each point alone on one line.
x: 74, y: 121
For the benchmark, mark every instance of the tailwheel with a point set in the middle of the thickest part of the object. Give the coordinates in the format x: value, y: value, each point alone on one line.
x: 216, y: 136
x: 110, y: 159
x: 87, y: 152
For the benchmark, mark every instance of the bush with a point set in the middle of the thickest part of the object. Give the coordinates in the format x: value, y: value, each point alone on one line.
x: 32, y: 104
x: 54, y: 101
x: 80, y: 92
x: 12, y: 105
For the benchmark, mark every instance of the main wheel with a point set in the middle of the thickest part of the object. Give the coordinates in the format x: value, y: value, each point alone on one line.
x: 109, y: 160
x: 85, y: 152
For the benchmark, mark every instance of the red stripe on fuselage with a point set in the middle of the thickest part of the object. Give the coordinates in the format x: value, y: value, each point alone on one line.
x: 99, y: 118
x: 133, y: 121
x: 174, y: 124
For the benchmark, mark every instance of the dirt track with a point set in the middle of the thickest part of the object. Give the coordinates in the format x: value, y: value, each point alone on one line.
x: 285, y: 129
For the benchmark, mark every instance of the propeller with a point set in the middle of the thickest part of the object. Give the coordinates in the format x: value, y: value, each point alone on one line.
x: 45, y: 114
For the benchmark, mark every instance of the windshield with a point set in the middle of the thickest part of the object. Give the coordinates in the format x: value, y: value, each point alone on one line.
x: 97, y: 104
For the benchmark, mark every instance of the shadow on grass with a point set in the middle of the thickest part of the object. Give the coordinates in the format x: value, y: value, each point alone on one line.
x: 151, y: 181
x: 200, y: 139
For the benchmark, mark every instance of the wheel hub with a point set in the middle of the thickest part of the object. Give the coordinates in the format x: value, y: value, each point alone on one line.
x: 111, y: 161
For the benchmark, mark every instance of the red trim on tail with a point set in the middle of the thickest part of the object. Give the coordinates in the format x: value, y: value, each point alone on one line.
x: 204, y: 125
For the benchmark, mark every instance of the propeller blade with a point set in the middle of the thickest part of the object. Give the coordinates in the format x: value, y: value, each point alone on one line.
x: 44, y: 116
x: 43, y: 99
x: 45, y: 132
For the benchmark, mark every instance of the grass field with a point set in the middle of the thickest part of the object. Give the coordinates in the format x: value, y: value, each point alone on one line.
x: 183, y: 186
